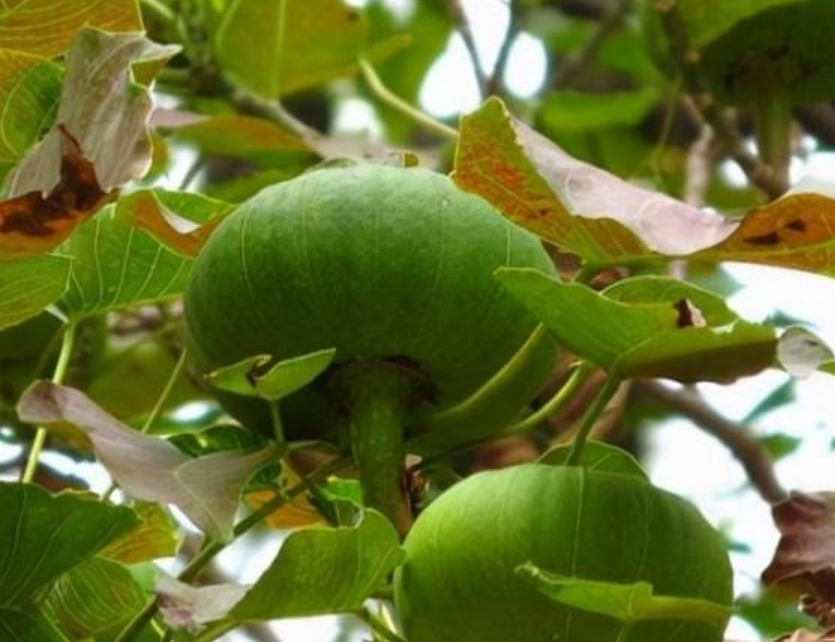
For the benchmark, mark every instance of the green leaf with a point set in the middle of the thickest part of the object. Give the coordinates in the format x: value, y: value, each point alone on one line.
x: 28, y: 286
x: 26, y: 626
x: 206, y: 489
x: 30, y: 88
x: 93, y: 597
x: 43, y: 536
x: 154, y: 537
x: 250, y: 377
x: 46, y: 27
x: 277, y: 47
x: 219, y: 438
x: 629, y: 603
x: 573, y: 111
x: 130, y: 254
x: 324, y: 571
x: 597, y: 456
x: 657, y: 329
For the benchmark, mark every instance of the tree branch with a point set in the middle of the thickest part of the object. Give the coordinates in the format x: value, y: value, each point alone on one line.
x: 735, y: 437
x: 495, y: 83
x: 462, y: 24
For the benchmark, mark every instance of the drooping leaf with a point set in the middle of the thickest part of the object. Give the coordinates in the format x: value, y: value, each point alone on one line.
x: 807, y: 545
x: 43, y: 536
x: 628, y: 603
x: 206, y: 489
x: 309, y: 577
x: 253, y: 378
x: 30, y: 88
x: 46, y: 27
x: 190, y: 608
x: 276, y: 47
x: 29, y: 285
x: 597, y: 456
x: 578, y: 207
x: 100, y: 142
x: 154, y: 537
x: 658, y: 328
x: 131, y: 254
x: 93, y: 597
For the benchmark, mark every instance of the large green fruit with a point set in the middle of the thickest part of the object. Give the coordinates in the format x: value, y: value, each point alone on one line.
x: 381, y: 263
x: 459, y: 581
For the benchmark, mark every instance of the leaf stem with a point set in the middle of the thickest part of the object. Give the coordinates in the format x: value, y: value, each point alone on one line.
x: 377, y: 626
x: 597, y: 406
x: 278, y: 427
x: 378, y: 88
x: 58, y: 375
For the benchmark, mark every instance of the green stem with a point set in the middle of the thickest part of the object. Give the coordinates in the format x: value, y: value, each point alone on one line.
x: 377, y: 626
x: 592, y: 414
x: 378, y: 396
x: 58, y: 375
x: 278, y: 428
x: 378, y: 88
x: 772, y: 127
x: 200, y: 561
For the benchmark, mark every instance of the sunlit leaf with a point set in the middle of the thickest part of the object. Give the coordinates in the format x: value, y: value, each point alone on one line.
x: 308, y: 577
x: 206, y: 489
x: 578, y: 207
x: 597, y: 456
x: 272, y: 53
x: 29, y: 285
x: 93, y: 597
x: 156, y: 536
x: 46, y: 27
x: 43, y: 536
x: 628, y: 603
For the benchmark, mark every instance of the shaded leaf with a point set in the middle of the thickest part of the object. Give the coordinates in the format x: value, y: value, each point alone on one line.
x: 26, y: 626
x: 43, y: 536
x: 206, y: 489
x: 781, y: 396
x: 597, y: 456
x: 309, y: 575
x: 655, y: 334
x: 28, y: 286
x: 190, y: 608
x: 807, y: 545
x: 154, y: 537
x: 628, y: 603
x: 573, y: 111
x: 46, y: 27
x: 273, y: 54
x: 93, y: 597
x: 252, y: 377
x: 577, y: 206
x: 100, y: 143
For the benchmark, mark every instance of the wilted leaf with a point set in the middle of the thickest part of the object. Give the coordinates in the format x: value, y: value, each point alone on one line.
x: 807, y: 525
x: 132, y: 254
x: 308, y: 577
x: 628, y: 603
x: 576, y: 206
x: 156, y: 536
x: 29, y: 285
x: 597, y: 456
x: 46, y: 27
x: 807, y: 636
x: 647, y: 327
x: 253, y: 378
x: 188, y: 607
x: 93, y: 597
x: 274, y: 52
x: 206, y: 489
x: 100, y: 143
x: 43, y: 536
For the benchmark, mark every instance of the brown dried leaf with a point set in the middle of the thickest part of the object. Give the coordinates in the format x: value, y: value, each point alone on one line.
x: 804, y: 635
x: 807, y: 524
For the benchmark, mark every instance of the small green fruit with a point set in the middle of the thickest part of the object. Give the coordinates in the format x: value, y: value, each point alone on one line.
x: 459, y: 582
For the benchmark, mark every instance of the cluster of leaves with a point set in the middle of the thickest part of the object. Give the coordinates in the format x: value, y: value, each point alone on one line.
x: 88, y: 236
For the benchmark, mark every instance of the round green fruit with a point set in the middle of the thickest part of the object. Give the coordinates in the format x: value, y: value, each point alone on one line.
x: 384, y: 264
x: 460, y: 581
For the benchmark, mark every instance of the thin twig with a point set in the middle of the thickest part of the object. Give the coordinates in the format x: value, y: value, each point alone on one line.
x: 496, y: 81
x: 735, y: 437
x: 758, y: 173
x: 462, y: 24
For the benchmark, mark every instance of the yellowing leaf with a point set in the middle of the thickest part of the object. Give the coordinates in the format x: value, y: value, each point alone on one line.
x: 293, y: 514
x: 46, y: 27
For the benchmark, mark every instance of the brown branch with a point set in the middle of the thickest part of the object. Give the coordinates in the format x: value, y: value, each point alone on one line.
x: 462, y: 24
x: 758, y: 173
x: 735, y: 437
x: 495, y: 82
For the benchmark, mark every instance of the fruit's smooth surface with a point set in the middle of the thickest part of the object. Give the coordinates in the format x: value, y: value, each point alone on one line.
x: 377, y: 262
x: 458, y: 583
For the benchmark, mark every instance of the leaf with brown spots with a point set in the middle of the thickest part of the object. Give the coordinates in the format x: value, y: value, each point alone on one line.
x: 100, y: 143
x: 576, y: 206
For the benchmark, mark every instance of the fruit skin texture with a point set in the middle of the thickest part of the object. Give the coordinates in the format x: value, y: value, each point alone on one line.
x: 458, y: 582
x: 378, y: 262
